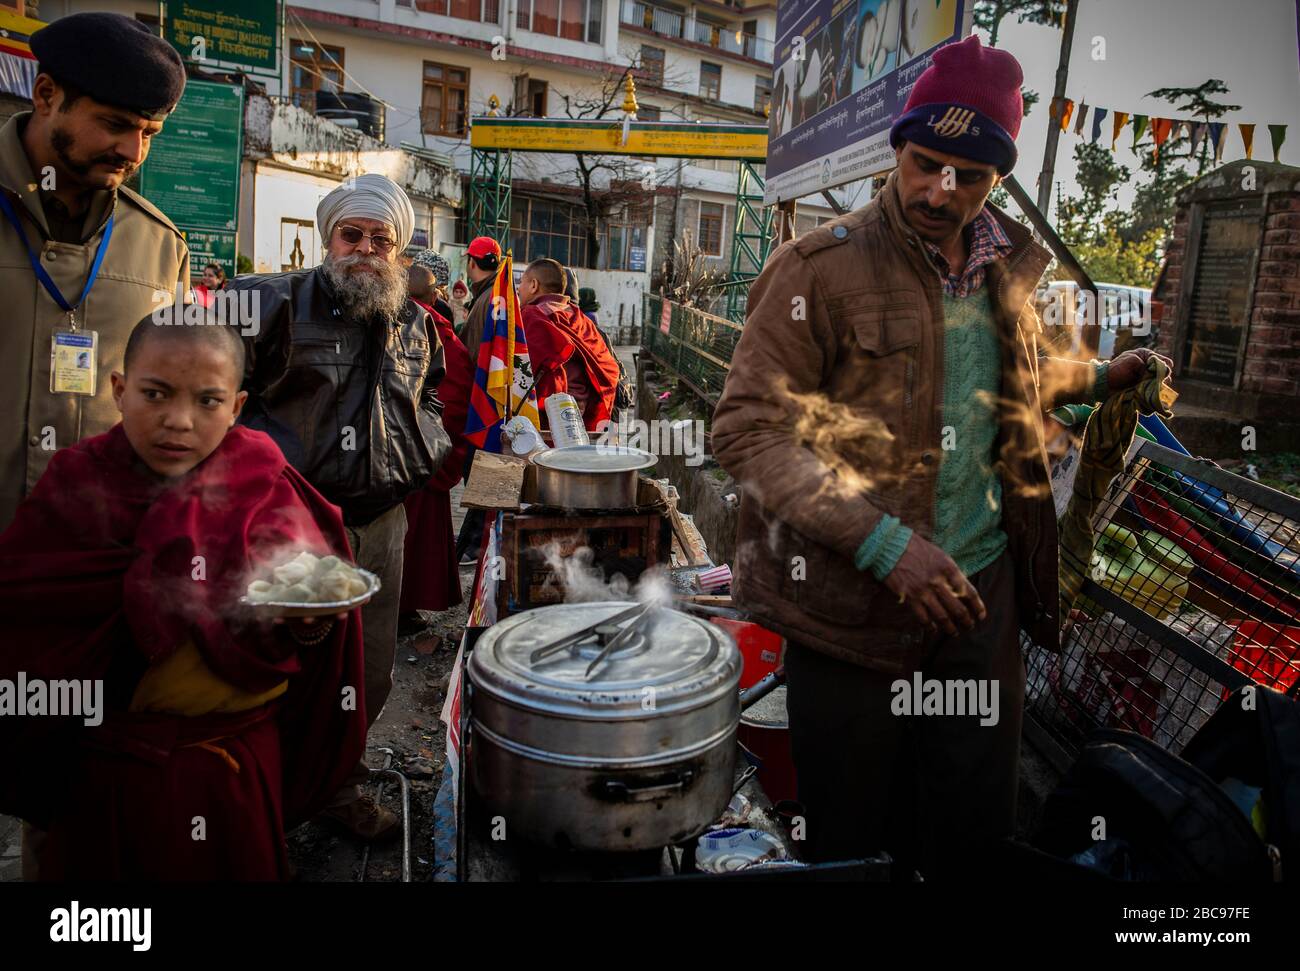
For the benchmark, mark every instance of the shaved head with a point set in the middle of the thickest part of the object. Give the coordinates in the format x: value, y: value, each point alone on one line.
x: 210, y: 333
x: 549, y: 275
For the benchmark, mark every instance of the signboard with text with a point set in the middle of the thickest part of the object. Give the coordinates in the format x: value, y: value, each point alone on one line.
x: 241, y: 32
x: 210, y: 246
x: 844, y: 71
x: 192, y: 172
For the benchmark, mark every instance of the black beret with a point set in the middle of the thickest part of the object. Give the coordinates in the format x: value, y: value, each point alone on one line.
x: 114, y: 59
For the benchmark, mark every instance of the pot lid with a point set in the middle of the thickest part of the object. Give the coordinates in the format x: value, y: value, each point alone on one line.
x: 595, y: 458
x: 667, y: 661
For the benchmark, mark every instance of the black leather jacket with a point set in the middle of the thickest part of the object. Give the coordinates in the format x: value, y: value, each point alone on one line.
x: 354, y: 407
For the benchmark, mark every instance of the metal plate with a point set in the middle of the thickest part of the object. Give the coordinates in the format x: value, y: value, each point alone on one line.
x: 289, y: 609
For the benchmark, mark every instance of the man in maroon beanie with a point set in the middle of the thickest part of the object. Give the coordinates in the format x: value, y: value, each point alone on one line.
x: 883, y: 415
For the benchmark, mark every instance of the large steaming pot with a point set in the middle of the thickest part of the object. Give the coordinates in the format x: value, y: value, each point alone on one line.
x: 638, y: 754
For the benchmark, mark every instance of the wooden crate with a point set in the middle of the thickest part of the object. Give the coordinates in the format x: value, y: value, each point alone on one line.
x: 627, y: 543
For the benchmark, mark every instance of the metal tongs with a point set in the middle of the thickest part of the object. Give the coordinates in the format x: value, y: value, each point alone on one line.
x: 607, y: 630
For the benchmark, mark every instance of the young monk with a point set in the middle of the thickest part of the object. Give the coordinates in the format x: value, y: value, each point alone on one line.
x: 218, y: 730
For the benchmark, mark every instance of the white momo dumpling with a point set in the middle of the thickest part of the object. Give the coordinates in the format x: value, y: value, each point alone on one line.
x: 291, y: 573
x: 356, y: 586
x: 298, y: 593
x: 259, y: 591
x: 334, y: 586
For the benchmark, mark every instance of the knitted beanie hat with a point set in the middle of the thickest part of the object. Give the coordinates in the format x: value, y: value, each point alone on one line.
x: 966, y: 103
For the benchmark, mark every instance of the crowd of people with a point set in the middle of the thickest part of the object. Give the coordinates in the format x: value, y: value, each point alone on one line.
x: 148, y: 470
x: 151, y: 467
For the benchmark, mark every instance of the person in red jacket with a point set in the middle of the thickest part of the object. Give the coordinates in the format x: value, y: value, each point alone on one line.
x: 567, y: 352
x: 430, y: 578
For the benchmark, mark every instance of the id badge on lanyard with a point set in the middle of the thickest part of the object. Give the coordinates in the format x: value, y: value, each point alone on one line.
x: 74, y: 360
x: 74, y: 354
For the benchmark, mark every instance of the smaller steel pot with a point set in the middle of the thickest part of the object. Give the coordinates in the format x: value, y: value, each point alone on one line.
x: 590, y: 476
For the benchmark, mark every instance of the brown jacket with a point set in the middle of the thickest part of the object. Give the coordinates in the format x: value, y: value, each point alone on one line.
x: 146, y: 255
x: 831, y: 418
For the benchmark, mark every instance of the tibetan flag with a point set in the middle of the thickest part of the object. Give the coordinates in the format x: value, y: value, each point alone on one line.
x: 1278, y: 134
x: 1139, y: 127
x: 1067, y: 109
x: 503, y: 379
x: 1097, y: 115
x: 1083, y: 117
x: 1218, y: 135
x: 1055, y: 110
x: 1160, y: 129
x: 1117, y: 126
x: 1247, y: 138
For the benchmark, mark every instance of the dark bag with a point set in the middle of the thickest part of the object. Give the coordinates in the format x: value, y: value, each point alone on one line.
x: 1165, y: 819
x: 1260, y: 746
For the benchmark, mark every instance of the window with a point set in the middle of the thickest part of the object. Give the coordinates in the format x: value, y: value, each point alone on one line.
x: 312, y: 68
x: 648, y: 113
x: 571, y: 19
x: 762, y: 93
x: 710, y: 81
x: 652, y: 64
x: 710, y: 235
x: 530, y: 97
x: 623, y: 238
x: 484, y: 11
x: 541, y: 227
x: 444, y: 104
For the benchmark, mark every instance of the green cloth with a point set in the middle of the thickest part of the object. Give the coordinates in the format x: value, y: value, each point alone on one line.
x: 1109, y: 434
x: 968, y: 496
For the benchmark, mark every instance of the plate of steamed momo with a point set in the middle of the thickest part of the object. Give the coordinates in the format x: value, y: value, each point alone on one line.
x: 310, y: 586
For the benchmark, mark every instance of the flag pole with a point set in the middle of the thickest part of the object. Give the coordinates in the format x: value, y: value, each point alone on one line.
x: 507, y: 268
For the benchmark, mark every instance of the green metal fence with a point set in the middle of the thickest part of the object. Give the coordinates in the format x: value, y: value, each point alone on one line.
x: 696, y: 348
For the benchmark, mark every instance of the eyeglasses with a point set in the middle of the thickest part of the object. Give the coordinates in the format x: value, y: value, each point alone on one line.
x: 353, y: 236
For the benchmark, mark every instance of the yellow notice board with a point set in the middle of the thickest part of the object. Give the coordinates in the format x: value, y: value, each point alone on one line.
x: 645, y: 138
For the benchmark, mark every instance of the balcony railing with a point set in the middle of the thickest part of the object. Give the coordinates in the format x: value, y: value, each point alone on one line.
x: 733, y: 41
x: 669, y: 23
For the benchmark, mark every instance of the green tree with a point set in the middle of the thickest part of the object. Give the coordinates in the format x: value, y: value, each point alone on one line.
x: 989, y: 14
x: 1197, y: 101
x: 1099, y: 175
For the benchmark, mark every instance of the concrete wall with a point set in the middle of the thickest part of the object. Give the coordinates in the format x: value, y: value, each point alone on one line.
x: 615, y: 289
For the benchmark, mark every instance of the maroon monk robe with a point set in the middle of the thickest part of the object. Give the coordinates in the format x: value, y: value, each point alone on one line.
x: 430, y: 575
x: 109, y: 568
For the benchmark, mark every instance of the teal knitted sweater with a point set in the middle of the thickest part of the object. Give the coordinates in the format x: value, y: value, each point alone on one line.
x: 968, y: 495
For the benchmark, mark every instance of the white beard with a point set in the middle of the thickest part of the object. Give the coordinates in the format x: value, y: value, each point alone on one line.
x: 367, y: 296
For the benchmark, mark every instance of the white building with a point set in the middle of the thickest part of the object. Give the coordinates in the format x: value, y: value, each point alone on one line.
x: 433, y: 64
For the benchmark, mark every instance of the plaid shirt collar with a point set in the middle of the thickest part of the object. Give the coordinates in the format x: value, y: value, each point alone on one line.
x: 987, y: 241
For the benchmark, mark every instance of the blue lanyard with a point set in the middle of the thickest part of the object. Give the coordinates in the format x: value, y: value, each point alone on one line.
x: 39, y: 270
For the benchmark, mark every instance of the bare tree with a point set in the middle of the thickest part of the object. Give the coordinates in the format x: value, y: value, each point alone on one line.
x: 608, y: 183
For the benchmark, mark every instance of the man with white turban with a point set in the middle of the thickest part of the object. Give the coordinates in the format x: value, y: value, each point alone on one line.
x: 343, y: 371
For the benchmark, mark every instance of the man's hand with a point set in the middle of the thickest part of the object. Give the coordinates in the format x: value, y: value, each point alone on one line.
x: 1131, y: 367
x: 935, y: 589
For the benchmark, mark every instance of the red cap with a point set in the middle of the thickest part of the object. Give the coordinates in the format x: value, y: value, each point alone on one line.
x: 484, y: 246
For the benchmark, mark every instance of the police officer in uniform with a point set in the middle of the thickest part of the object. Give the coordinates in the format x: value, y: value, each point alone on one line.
x: 82, y: 259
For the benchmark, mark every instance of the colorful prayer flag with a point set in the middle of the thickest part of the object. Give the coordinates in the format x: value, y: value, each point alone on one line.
x: 1278, y: 134
x: 1097, y: 115
x: 1247, y: 137
x: 1160, y: 129
x: 1067, y: 109
x: 1199, y: 131
x: 1139, y: 127
x: 1078, y: 122
x: 1121, y: 119
x: 1218, y: 135
x: 503, y: 379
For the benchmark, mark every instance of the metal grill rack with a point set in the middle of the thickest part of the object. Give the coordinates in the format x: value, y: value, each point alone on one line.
x: 1193, y: 590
